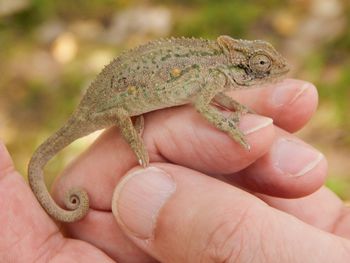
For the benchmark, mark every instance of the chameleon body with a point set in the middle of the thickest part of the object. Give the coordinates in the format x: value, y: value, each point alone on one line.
x: 160, y: 74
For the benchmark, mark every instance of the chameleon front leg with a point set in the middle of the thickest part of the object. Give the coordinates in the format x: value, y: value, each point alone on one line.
x: 228, y: 103
x: 213, y: 115
x: 131, y: 133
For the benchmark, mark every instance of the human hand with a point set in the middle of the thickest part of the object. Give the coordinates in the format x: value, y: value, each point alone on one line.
x: 203, y: 218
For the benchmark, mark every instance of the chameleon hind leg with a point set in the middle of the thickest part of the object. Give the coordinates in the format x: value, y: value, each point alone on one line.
x: 131, y: 133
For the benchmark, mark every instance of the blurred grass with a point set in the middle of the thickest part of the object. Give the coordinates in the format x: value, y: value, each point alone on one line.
x: 38, y: 92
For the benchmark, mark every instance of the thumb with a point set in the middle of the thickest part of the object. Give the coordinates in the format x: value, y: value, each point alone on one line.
x: 179, y: 215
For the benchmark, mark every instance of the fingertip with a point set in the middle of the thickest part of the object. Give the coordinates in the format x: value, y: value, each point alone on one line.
x: 290, y: 102
x: 295, y: 101
x: 290, y: 169
x: 199, y: 145
x: 162, y: 209
x: 138, y: 198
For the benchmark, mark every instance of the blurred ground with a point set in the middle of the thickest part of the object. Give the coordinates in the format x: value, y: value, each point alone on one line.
x: 51, y: 50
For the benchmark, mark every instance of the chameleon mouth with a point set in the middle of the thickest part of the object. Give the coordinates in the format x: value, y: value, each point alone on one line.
x: 283, y: 71
x: 286, y: 68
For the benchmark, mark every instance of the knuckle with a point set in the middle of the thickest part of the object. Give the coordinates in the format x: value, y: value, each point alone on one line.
x: 230, y: 239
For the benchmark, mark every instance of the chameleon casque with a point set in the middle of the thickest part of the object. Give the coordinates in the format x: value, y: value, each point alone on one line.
x: 157, y: 75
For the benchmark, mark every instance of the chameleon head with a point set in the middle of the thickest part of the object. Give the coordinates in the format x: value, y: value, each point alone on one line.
x: 252, y: 62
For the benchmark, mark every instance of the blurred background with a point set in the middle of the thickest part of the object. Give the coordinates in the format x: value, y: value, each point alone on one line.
x: 51, y: 50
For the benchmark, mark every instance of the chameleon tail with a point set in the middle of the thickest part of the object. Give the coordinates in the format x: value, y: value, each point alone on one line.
x: 76, y: 200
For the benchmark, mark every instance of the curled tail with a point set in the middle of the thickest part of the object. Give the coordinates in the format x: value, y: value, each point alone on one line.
x: 76, y: 200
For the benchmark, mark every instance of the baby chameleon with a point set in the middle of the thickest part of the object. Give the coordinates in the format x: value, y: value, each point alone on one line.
x: 160, y: 74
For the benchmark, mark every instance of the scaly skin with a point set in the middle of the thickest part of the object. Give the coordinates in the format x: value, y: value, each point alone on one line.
x: 154, y: 76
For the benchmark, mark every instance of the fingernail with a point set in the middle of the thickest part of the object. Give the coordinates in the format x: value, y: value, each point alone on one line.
x: 289, y: 91
x: 138, y: 199
x: 252, y: 123
x: 294, y: 158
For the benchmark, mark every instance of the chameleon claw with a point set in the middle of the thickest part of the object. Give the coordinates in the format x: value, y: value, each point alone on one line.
x: 244, y: 144
x: 143, y: 162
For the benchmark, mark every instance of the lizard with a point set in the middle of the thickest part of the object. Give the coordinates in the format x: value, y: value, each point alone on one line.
x: 160, y: 74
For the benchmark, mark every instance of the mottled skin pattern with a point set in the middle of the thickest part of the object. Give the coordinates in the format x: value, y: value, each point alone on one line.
x: 154, y: 76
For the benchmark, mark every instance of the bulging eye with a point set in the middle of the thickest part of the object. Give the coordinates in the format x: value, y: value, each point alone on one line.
x: 260, y: 63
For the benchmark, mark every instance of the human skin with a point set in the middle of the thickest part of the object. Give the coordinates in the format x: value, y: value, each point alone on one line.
x: 205, y: 216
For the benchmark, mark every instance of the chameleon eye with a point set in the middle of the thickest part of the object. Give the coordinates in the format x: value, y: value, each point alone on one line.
x: 260, y: 63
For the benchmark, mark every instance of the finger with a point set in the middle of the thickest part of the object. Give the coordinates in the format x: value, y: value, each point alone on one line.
x: 27, y: 233
x: 290, y: 169
x: 179, y: 215
x: 290, y: 103
x: 322, y: 209
x: 21, y: 215
x: 183, y: 137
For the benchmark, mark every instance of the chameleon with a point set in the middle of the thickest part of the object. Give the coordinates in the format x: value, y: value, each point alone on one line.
x: 160, y: 74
